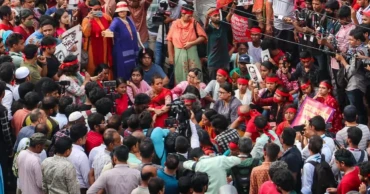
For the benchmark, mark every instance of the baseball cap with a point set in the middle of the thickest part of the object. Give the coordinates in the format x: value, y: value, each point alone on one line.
x: 22, y: 73
x: 75, y: 116
x: 244, y: 58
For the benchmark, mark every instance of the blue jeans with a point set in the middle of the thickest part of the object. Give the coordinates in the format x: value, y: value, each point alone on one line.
x: 159, y: 55
x: 355, y: 97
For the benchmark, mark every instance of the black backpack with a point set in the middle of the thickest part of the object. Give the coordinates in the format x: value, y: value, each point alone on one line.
x: 323, y: 177
x: 241, y: 176
x: 156, y: 160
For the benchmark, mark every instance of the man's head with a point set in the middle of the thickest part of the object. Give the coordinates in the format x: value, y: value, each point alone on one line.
x: 195, y: 154
x: 115, y: 122
x: 185, y: 186
x: 47, y: 28
x: 355, y: 38
x: 315, y: 144
x: 182, y: 144
x: 256, y: 34
x: 315, y: 124
x: 200, y: 181
x: 271, y: 151
x: 284, y: 180
x: 172, y: 162
x: 42, y: 128
x: 244, y: 59
x: 214, y: 15
x: 155, y: 184
x: 50, y: 106
x: 331, y: 8
x: 30, y: 52
x: 146, y: 120
x: 276, y: 166
x: 63, y: 146
x: 305, y: 58
x: 7, y: 72
x: 48, y: 45
x: 364, y: 172
x: 147, y: 172
x: 37, y: 142
x: 89, y: 87
x: 111, y: 139
x: 318, y: 5
x: 96, y: 94
x: 50, y: 88
x: 75, y: 117
x: 64, y: 101
x: 146, y: 148
x: 141, y: 102
x: 219, y: 123
x: 6, y: 13
x: 133, y: 122
x: 120, y: 154
x: 350, y: 113
x: 132, y: 143
x: 245, y: 145
x: 288, y: 136
x: 78, y: 133
x: 96, y: 122
x: 22, y: 75
x: 344, y: 159
x: 354, y: 136
x: 104, y: 106
x: 15, y: 42
x: 261, y: 123
x: 31, y: 100
x: 38, y: 116
x: 146, y: 57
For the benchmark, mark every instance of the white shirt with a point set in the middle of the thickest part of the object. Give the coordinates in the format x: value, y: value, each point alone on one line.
x: 359, y: 14
x: 16, y: 93
x: 8, y: 100
x: 100, y: 160
x: 62, y: 120
x: 95, y: 151
x: 247, y: 98
x: 81, y: 163
x: 254, y: 52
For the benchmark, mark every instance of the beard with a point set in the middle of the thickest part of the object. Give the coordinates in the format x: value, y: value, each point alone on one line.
x: 53, y: 114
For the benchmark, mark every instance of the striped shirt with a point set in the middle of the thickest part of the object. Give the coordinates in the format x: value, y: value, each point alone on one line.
x: 359, y: 13
x: 342, y: 135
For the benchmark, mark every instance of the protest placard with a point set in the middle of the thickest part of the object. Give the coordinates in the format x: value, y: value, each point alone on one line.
x: 254, y: 73
x: 311, y: 108
x: 71, y: 39
x: 239, y: 26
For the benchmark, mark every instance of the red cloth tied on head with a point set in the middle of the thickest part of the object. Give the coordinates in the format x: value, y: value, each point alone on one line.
x: 256, y: 30
x: 48, y: 46
x: 214, y: 12
x: 189, y: 100
x: 265, y: 130
x: 272, y: 80
x: 240, y: 114
x: 225, y: 74
x: 326, y: 85
x: 186, y: 11
x: 283, y: 94
x: 291, y: 110
x: 233, y: 145
x: 242, y: 81
x: 305, y: 85
x: 68, y: 64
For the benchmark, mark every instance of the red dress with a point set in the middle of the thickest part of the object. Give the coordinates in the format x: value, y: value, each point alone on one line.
x: 337, y: 118
x: 158, y: 102
x: 6, y: 27
x: 20, y: 30
x: 121, y: 104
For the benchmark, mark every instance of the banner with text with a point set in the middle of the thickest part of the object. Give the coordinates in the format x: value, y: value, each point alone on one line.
x: 311, y: 108
x: 239, y: 25
x: 71, y: 44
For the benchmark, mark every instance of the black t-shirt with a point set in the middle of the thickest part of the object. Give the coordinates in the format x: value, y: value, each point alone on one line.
x: 293, y: 158
x: 85, y: 107
x: 53, y: 66
x: 125, y: 115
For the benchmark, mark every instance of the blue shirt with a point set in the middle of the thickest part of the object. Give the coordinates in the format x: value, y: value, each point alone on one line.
x: 157, y: 136
x: 26, y: 131
x: 308, y: 171
x: 51, y: 10
x: 154, y: 69
x: 170, y: 182
x: 37, y: 36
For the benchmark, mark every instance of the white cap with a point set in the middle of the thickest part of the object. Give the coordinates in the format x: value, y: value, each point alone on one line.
x: 75, y: 116
x: 22, y: 73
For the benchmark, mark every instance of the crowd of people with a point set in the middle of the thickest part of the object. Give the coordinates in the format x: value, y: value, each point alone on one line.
x: 162, y: 100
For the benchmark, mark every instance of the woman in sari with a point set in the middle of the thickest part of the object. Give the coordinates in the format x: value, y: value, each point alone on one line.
x: 192, y: 79
x: 160, y: 98
x: 325, y: 96
x: 205, y: 123
x: 125, y: 44
x: 227, y: 104
x: 97, y: 46
x: 24, y: 23
x: 137, y: 84
x: 183, y: 37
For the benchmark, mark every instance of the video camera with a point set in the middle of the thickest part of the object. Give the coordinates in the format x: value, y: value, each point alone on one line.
x: 109, y: 88
x: 159, y: 17
x: 63, y: 85
x: 181, y: 117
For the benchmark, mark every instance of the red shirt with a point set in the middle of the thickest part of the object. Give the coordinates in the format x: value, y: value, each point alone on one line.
x: 20, y: 30
x: 6, y: 27
x: 350, y: 182
x: 268, y: 187
x: 250, y: 127
x: 121, y: 104
x: 277, y: 57
x: 93, y: 139
x: 281, y: 126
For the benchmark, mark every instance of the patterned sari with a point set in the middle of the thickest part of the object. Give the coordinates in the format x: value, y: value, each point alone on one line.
x: 98, y: 47
x: 337, y: 118
x: 157, y: 102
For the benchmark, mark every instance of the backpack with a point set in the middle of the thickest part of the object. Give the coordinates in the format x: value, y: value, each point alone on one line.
x: 15, y: 165
x: 169, y: 142
x: 362, y: 157
x: 241, y: 176
x: 323, y: 177
x: 156, y: 160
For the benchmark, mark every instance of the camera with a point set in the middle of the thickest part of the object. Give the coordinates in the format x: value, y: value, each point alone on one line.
x: 63, y: 85
x: 170, y: 122
x: 109, y: 84
x: 299, y: 128
x: 159, y: 17
x: 109, y: 88
x: 180, y: 116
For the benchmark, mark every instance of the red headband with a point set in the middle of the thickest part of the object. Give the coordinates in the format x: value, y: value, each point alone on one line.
x: 242, y: 81
x: 122, y: 6
x: 242, y: 114
x: 48, y: 46
x: 225, y: 74
x: 272, y: 79
x: 326, y: 85
x: 186, y: 11
x: 283, y: 94
x: 292, y: 110
x: 265, y: 130
x: 308, y: 58
x: 256, y: 30
x: 233, y: 145
x: 305, y: 85
x: 189, y: 100
x: 68, y: 64
x: 215, y: 12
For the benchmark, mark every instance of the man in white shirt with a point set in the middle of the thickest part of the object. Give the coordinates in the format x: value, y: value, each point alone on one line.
x: 29, y: 165
x: 78, y: 156
x: 61, y: 117
x: 7, y: 75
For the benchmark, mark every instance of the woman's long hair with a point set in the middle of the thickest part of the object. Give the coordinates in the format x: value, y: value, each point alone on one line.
x: 58, y: 15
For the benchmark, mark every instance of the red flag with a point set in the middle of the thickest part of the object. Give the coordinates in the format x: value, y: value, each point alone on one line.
x: 221, y: 3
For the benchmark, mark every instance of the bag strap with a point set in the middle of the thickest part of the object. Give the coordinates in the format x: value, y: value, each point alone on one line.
x: 195, y: 28
x: 362, y: 157
x: 194, y: 165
